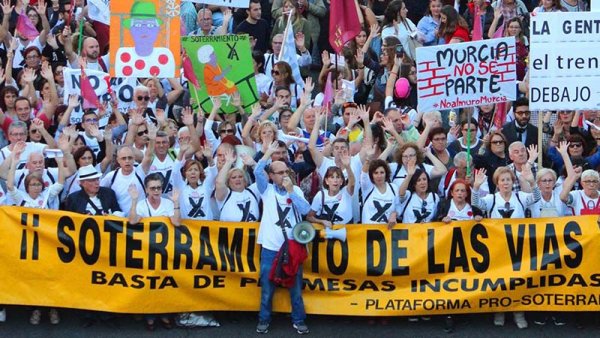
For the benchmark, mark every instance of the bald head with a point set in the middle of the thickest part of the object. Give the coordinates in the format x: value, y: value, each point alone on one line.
x: 91, y: 49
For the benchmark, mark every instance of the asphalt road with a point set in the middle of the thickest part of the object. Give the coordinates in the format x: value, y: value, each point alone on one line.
x: 242, y: 324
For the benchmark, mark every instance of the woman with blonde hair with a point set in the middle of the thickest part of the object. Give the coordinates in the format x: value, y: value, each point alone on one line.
x: 506, y: 203
x: 236, y: 201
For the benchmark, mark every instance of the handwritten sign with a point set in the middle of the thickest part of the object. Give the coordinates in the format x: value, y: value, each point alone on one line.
x: 564, y: 62
x: 466, y: 74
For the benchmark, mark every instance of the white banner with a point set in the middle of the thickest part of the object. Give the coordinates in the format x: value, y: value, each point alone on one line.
x: 99, y: 10
x: 225, y: 3
x: 564, y: 61
x: 123, y: 88
x: 466, y: 74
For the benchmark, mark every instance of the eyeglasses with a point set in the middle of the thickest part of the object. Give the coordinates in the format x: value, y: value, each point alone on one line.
x: 145, y: 98
x: 283, y: 172
x: 94, y: 120
x: 575, y: 145
x: 526, y: 112
x: 286, y: 116
x: 34, y: 131
x: 409, y: 156
x: 275, y: 72
x: 36, y: 184
x: 546, y: 181
x: 228, y: 131
x: 412, y: 73
x: 155, y: 188
x: 590, y: 182
x: 564, y: 112
x: 497, y: 142
x: 142, y: 132
x: 17, y: 134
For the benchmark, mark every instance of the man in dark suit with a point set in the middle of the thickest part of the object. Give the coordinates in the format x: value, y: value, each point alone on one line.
x: 92, y: 199
x: 520, y: 129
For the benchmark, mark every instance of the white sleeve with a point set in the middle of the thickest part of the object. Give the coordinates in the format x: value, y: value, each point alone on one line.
x: 177, y: 180
x: 365, y: 183
x: 317, y: 202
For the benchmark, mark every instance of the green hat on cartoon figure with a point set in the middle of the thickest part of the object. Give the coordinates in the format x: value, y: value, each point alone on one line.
x: 143, y: 10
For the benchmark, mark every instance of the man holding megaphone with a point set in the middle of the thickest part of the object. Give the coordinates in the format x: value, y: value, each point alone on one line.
x: 284, y: 206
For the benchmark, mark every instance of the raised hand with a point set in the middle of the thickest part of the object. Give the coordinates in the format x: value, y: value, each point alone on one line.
x: 187, y: 117
x: 563, y: 148
x: 480, y: 178
x: 73, y: 100
x: 7, y: 8
x: 247, y: 160
x: 532, y: 150
x: 133, y: 192
x: 152, y: 130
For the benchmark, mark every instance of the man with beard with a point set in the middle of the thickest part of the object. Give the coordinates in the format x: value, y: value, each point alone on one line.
x: 520, y: 129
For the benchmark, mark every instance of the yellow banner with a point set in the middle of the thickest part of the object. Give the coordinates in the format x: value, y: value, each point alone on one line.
x: 55, y: 258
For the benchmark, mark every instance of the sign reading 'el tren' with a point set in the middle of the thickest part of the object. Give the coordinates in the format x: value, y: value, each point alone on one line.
x: 564, y: 61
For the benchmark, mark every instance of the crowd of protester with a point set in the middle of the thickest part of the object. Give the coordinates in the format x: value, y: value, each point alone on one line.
x: 371, y: 158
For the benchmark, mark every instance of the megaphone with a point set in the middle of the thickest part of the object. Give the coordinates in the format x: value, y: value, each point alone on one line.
x: 339, y: 234
x: 303, y: 232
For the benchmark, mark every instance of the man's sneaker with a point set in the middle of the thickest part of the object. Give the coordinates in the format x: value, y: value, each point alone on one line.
x: 301, y: 328
x: 263, y: 327
x: 558, y: 321
x: 540, y: 321
x: 190, y: 319
x: 449, y: 325
x: 520, y: 320
x: 499, y: 319
x: 54, y: 317
x: 3, y: 315
x: 36, y: 317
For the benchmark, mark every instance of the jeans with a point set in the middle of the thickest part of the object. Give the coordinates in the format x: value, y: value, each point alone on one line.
x: 268, y: 289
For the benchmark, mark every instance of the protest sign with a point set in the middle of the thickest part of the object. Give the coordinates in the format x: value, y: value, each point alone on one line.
x: 223, y: 66
x: 466, y: 74
x: 224, y: 3
x: 147, y: 35
x: 122, y: 87
x: 564, y: 66
x: 498, y: 265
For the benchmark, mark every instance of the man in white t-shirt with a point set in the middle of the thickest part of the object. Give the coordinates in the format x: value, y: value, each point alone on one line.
x: 284, y: 205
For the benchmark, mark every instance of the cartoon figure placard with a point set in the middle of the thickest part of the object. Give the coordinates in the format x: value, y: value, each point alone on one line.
x: 147, y: 33
x: 223, y: 67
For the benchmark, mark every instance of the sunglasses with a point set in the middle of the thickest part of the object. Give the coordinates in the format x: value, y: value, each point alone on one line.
x: 34, y: 131
x: 497, y: 142
x: 228, y: 131
x: 155, y: 188
x: 275, y: 72
x: 527, y: 112
x: 575, y: 145
x: 145, y: 98
x: 140, y: 133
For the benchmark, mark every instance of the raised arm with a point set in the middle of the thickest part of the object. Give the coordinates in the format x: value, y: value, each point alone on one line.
x: 346, y: 158
x: 314, y: 135
x: 134, y: 193
x: 41, y: 10
x: 176, y: 90
x: 13, y: 161
x: 305, y: 102
x: 221, y: 189
x: 149, y: 154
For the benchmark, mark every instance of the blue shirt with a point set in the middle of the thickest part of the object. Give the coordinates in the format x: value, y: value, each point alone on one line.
x: 427, y: 25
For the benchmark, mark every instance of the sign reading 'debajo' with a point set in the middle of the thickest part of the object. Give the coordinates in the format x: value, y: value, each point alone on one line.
x: 564, y: 62
x: 466, y: 74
